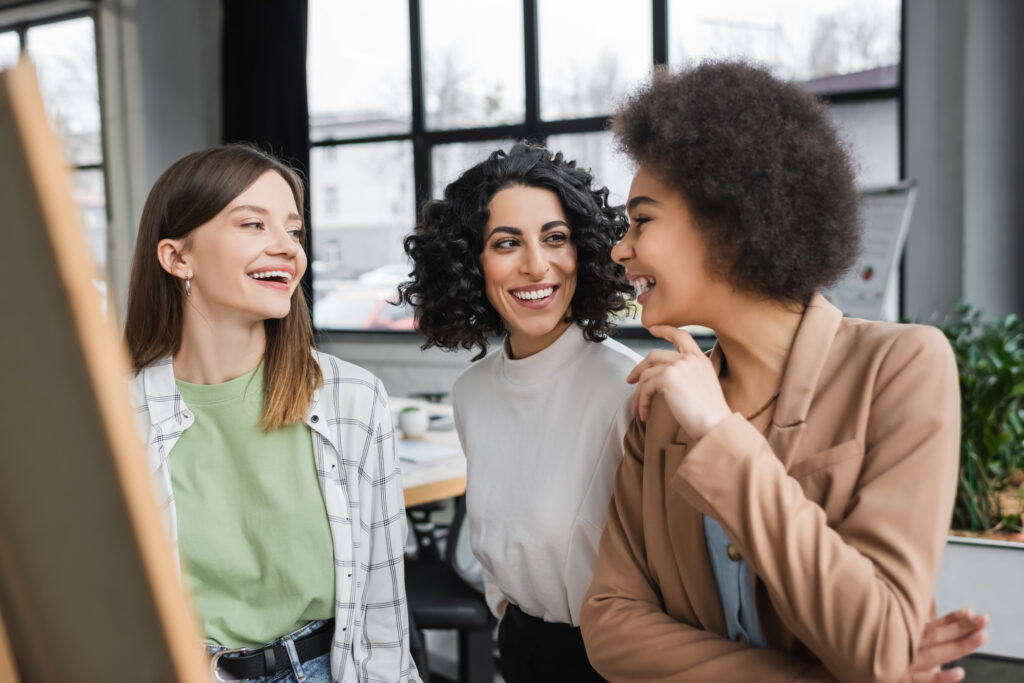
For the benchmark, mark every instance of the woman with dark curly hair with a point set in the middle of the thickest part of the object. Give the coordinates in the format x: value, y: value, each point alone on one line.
x: 782, y: 505
x: 520, y: 246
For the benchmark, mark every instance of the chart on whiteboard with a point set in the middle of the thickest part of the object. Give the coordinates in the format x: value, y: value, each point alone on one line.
x: 871, y: 288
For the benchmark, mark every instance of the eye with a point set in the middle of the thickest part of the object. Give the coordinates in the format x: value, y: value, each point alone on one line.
x: 557, y: 238
x: 253, y: 225
x: 638, y: 221
x: 505, y: 243
x: 296, y: 233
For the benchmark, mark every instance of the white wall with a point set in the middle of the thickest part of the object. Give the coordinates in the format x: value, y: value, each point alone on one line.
x: 985, y: 575
x: 179, y: 51
x: 994, y: 156
x: 159, y: 67
x: 933, y: 138
x: 965, y: 147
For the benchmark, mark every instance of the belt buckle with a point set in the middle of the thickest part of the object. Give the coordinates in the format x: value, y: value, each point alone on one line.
x: 215, y: 659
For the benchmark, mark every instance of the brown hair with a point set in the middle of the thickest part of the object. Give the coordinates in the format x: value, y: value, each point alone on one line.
x: 188, y: 194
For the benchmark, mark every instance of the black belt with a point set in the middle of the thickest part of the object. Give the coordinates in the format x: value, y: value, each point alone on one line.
x: 274, y: 658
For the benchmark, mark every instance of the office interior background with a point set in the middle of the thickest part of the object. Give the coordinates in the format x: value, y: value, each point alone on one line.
x: 404, y: 94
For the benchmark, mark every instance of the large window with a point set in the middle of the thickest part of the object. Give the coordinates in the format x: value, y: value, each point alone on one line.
x: 399, y: 111
x: 844, y: 50
x: 63, y: 50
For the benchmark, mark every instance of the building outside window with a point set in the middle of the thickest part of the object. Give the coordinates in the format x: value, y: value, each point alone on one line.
x: 398, y: 112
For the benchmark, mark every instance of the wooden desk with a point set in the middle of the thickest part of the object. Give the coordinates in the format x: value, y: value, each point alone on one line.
x: 439, y: 479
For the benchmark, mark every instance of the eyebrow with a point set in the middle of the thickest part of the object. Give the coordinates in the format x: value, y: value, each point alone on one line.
x: 263, y: 212
x: 639, y: 201
x: 518, y: 233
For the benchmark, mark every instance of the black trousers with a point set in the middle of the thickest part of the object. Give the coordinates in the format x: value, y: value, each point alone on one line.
x: 533, y: 651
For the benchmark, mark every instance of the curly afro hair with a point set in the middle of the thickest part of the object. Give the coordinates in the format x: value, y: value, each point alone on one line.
x: 447, y: 286
x: 770, y: 184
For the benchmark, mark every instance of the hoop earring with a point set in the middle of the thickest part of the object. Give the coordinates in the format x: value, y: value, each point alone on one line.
x: 188, y: 285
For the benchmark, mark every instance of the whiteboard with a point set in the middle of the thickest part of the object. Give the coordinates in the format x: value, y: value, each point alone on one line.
x: 870, y: 289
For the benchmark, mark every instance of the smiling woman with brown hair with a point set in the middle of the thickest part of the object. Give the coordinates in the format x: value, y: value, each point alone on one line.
x: 292, y: 553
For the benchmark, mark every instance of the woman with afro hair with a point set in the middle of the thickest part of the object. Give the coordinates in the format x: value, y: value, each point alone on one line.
x: 782, y: 505
x: 519, y: 246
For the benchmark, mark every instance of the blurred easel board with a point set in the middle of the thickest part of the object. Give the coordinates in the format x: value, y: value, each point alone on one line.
x: 88, y: 586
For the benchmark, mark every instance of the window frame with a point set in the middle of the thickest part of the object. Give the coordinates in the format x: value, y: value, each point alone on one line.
x: 534, y: 128
x: 21, y: 28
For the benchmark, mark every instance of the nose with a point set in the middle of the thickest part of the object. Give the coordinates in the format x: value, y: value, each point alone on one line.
x: 283, y: 243
x: 533, y: 262
x: 623, y: 251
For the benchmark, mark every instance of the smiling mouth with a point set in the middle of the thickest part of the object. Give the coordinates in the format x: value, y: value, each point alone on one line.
x: 534, y: 294
x: 643, y: 284
x: 278, y: 276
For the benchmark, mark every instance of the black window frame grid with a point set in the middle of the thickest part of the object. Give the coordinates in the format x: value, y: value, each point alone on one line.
x: 536, y: 129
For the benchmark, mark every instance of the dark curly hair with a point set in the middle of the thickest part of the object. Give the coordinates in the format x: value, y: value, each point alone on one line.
x: 762, y: 168
x: 447, y: 286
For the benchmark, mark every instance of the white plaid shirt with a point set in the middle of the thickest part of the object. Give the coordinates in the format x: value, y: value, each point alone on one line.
x: 354, y: 446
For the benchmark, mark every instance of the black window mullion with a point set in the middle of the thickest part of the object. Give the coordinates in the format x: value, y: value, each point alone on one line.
x: 659, y: 25
x: 851, y: 96
x: 901, y: 90
x: 420, y: 150
x: 901, y: 141
x: 444, y: 137
x: 337, y: 142
x: 593, y: 124
x: 531, y: 69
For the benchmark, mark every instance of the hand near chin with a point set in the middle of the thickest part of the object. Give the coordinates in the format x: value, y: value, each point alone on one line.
x: 685, y: 378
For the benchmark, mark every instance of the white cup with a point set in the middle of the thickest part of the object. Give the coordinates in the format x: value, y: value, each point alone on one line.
x: 413, y: 423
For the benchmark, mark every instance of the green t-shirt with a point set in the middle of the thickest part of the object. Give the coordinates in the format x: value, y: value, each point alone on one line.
x: 253, y: 534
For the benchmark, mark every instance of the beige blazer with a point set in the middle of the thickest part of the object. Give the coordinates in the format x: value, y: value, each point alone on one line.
x: 841, y: 512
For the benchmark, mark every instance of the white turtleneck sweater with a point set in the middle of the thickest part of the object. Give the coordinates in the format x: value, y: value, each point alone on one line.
x: 543, y: 440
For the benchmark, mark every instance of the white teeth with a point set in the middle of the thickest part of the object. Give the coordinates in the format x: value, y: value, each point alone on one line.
x: 271, y: 273
x: 534, y: 294
x: 643, y: 284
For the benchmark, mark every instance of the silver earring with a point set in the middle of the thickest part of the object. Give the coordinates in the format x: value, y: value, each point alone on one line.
x: 188, y: 285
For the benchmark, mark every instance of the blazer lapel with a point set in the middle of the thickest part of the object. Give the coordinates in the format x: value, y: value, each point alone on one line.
x: 807, y: 357
x: 806, y: 360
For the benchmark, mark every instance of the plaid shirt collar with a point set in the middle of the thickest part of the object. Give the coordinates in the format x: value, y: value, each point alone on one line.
x: 166, y: 404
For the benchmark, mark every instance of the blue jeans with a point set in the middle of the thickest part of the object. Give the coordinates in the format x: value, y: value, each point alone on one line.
x: 316, y: 670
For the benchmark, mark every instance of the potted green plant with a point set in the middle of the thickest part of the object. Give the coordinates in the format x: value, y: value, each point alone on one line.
x: 990, y: 360
x: 985, y: 552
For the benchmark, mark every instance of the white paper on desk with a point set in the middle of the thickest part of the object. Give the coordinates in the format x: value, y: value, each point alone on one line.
x: 423, y: 451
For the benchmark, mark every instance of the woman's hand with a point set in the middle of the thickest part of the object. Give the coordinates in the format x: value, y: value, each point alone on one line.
x: 955, y: 635
x: 687, y: 380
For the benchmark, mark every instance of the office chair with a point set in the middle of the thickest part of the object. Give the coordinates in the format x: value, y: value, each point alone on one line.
x: 446, y: 592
